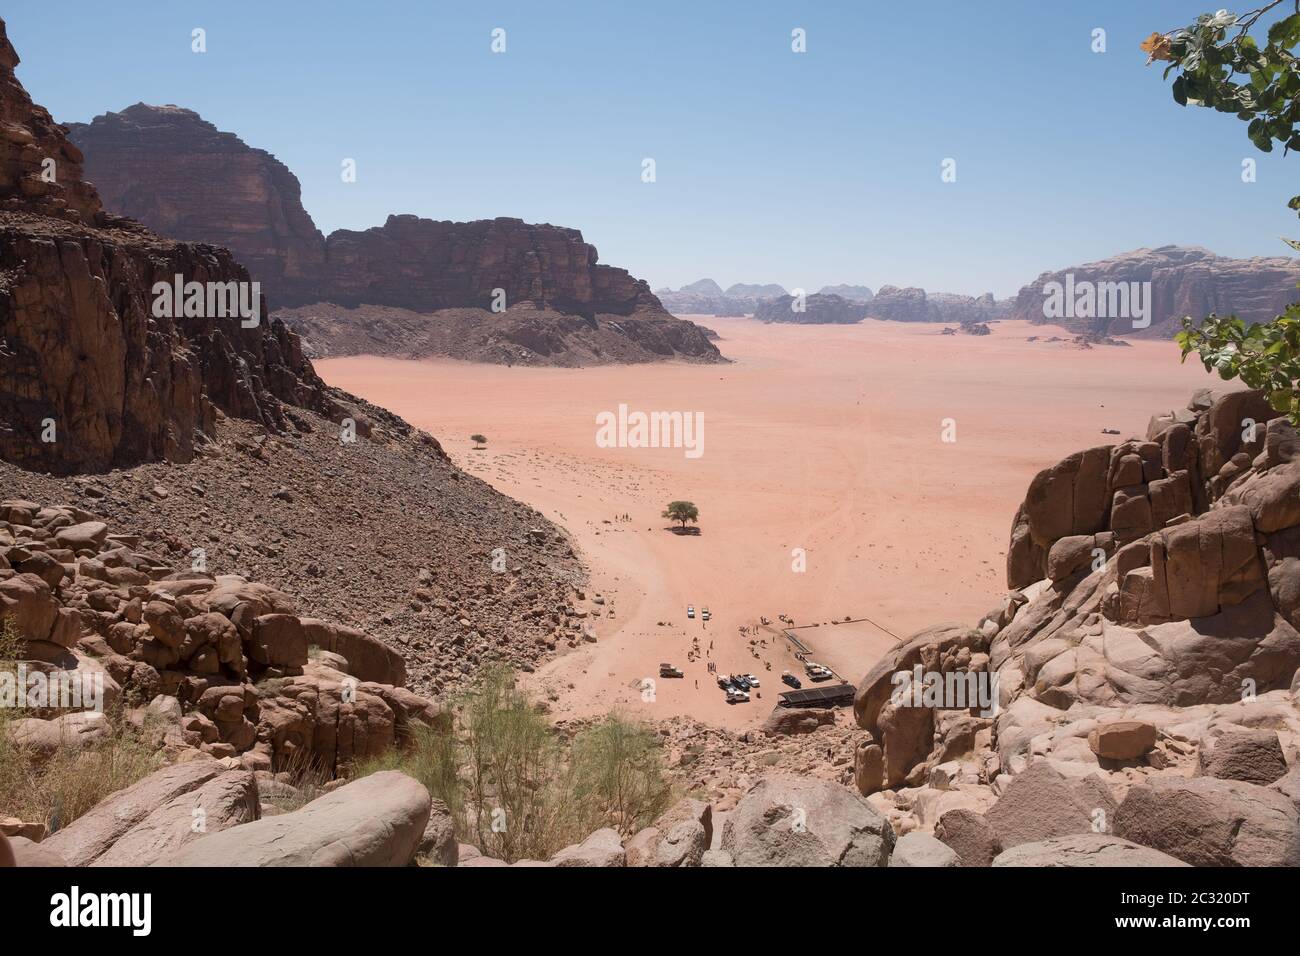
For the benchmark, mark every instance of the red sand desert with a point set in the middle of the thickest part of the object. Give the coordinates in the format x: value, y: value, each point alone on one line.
x: 824, y: 438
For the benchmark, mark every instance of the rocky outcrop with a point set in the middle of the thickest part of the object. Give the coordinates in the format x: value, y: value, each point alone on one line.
x: 224, y: 664
x: 1144, y: 664
x: 40, y: 171
x: 179, y: 175
x: 815, y: 309
x: 521, y: 335
x: 1184, y: 281
x: 854, y: 293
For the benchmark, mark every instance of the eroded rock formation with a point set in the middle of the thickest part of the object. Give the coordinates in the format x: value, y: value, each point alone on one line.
x: 180, y: 175
x: 1184, y: 281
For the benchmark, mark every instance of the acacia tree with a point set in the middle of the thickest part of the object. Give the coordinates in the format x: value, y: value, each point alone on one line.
x: 1221, y: 62
x: 479, y: 441
x: 682, y: 511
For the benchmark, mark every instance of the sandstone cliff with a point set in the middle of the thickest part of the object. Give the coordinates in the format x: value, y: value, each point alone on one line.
x: 179, y: 175
x: 1185, y: 281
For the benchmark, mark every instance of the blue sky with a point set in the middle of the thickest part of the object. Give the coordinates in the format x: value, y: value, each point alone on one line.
x: 804, y: 169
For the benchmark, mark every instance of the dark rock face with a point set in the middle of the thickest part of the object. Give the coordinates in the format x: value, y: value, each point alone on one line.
x: 178, y: 174
x: 419, y: 264
x: 181, y: 176
x: 818, y: 310
x: 916, y: 305
x: 91, y: 378
x: 1185, y: 281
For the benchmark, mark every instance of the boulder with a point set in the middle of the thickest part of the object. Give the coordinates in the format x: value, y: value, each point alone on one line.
x: 970, y: 836
x: 27, y: 853
x: 93, y: 834
x: 604, y: 848
x: 1253, y: 756
x: 1041, y: 803
x: 921, y: 849
x: 792, y: 721
x: 1122, y: 739
x: 378, y: 820
x: 225, y: 801
x: 1205, y: 821
x: 438, y: 844
x: 1085, y: 850
x: 798, y: 821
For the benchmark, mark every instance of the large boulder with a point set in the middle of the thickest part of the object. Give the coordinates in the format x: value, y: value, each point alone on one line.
x: 1253, y: 756
x: 1042, y: 803
x: 1085, y: 850
x: 970, y: 835
x: 1121, y: 739
x: 797, y: 821
x: 378, y: 820
x: 227, y: 800
x: 920, y: 849
x: 94, y: 833
x: 604, y: 848
x: 678, y: 838
x: 791, y: 721
x: 1205, y: 821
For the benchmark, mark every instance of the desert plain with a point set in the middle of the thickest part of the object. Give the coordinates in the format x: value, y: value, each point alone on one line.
x: 867, y: 472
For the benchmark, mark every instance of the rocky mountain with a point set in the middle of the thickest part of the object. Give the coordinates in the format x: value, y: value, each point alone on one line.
x: 854, y: 293
x: 817, y: 309
x: 212, y: 436
x: 916, y: 305
x: 521, y: 335
x: 179, y: 175
x: 706, y: 297
x: 1140, y: 679
x: 1184, y: 280
x: 742, y: 290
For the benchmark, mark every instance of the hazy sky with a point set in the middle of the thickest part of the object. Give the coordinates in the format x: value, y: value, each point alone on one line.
x: 804, y: 169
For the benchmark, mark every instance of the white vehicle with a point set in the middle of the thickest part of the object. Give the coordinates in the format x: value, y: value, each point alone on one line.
x: 737, y: 697
x: 753, y: 681
x: 705, y: 615
x: 690, y: 611
x: 724, y: 681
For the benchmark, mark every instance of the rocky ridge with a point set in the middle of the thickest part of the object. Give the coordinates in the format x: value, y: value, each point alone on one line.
x: 181, y: 176
x: 1185, y: 281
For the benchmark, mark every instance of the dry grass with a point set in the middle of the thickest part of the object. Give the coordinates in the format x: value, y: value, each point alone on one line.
x: 57, y: 789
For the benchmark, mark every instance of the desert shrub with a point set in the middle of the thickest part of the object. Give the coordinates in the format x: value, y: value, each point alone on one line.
x: 618, y: 772
x: 519, y: 790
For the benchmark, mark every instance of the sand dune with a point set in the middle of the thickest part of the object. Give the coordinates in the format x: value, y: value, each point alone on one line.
x: 824, y: 438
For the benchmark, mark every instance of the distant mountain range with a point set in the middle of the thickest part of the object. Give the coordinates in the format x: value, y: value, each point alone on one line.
x: 1145, y: 292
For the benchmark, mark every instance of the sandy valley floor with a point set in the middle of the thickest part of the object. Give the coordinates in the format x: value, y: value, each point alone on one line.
x: 825, y: 438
